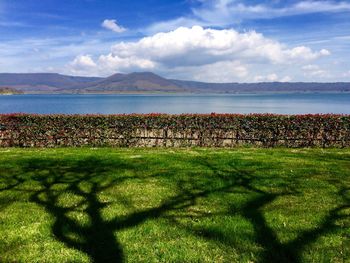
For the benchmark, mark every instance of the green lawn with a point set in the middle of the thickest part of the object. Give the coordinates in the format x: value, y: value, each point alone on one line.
x: 175, y: 205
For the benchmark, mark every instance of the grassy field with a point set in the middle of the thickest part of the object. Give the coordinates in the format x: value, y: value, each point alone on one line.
x: 174, y: 205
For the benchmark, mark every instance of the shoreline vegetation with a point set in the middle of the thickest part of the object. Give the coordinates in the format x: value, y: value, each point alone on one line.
x: 16, y: 92
x: 167, y: 130
x: 10, y: 91
x: 174, y: 205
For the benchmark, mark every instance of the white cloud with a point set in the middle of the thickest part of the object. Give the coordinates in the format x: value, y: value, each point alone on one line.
x: 286, y: 79
x: 106, y: 65
x: 199, y: 54
x: 112, y: 64
x: 223, y: 71
x: 111, y: 24
x: 273, y: 77
x: 318, y: 6
x: 164, y: 26
x: 347, y: 74
x: 83, y: 61
x: 227, y: 12
x: 315, y: 71
x: 224, y: 9
x: 82, y: 65
x: 306, y: 53
x: 310, y: 67
x: 198, y: 46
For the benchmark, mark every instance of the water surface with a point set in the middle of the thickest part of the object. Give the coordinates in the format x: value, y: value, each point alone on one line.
x: 175, y: 104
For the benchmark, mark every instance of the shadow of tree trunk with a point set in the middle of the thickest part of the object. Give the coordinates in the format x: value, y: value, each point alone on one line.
x: 97, y: 237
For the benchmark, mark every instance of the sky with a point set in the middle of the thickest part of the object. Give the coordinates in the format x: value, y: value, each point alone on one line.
x: 202, y: 40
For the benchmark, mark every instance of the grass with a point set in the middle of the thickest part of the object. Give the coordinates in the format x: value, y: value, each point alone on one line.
x: 174, y: 205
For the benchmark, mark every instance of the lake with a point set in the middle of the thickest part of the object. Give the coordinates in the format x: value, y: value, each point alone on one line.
x: 176, y: 104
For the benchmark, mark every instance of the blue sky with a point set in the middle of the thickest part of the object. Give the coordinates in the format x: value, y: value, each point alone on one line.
x: 205, y: 40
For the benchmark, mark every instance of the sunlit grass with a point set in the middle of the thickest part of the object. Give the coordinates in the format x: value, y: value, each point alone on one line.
x: 174, y: 205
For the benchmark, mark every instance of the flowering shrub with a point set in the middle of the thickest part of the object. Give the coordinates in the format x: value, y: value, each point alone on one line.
x: 175, y: 130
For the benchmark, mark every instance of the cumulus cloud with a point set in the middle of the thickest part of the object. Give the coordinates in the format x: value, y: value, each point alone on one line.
x: 270, y: 77
x: 199, y: 53
x: 315, y: 71
x: 83, y: 61
x: 111, y: 24
x: 285, y: 79
x: 306, y: 53
x: 273, y: 77
x: 199, y: 46
x: 223, y: 71
x: 111, y: 63
x: 227, y: 12
x: 82, y: 64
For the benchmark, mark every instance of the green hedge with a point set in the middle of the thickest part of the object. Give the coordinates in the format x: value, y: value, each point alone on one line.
x: 217, y: 130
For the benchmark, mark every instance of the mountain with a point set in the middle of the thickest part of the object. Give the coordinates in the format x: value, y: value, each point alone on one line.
x: 43, y: 82
x: 135, y: 82
x: 146, y: 82
x: 264, y: 87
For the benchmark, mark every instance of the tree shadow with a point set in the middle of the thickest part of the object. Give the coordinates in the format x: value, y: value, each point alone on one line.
x: 9, y: 183
x: 329, y: 224
x: 85, y: 179
x: 252, y: 210
x: 94, y: 238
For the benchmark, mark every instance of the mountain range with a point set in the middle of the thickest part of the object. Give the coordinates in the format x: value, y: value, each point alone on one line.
x: 148, y: 82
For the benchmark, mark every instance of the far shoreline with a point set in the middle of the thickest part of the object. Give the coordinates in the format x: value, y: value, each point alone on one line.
x: 182, y: 93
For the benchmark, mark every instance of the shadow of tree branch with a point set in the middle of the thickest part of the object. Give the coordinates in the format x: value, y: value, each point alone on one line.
x: 87, y: 178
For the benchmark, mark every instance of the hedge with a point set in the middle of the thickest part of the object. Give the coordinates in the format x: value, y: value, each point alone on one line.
x: 211, y: 130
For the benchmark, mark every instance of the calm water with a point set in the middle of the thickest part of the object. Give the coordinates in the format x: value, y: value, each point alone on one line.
x: 110, y: 104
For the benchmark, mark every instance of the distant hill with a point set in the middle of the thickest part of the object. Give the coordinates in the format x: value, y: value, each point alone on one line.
x: 136, y: 82
x: 43, y: 82
x: 265, y: 87
x: 148, y: 82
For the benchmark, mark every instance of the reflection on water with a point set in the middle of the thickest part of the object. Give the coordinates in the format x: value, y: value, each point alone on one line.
x: 112, y: 104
